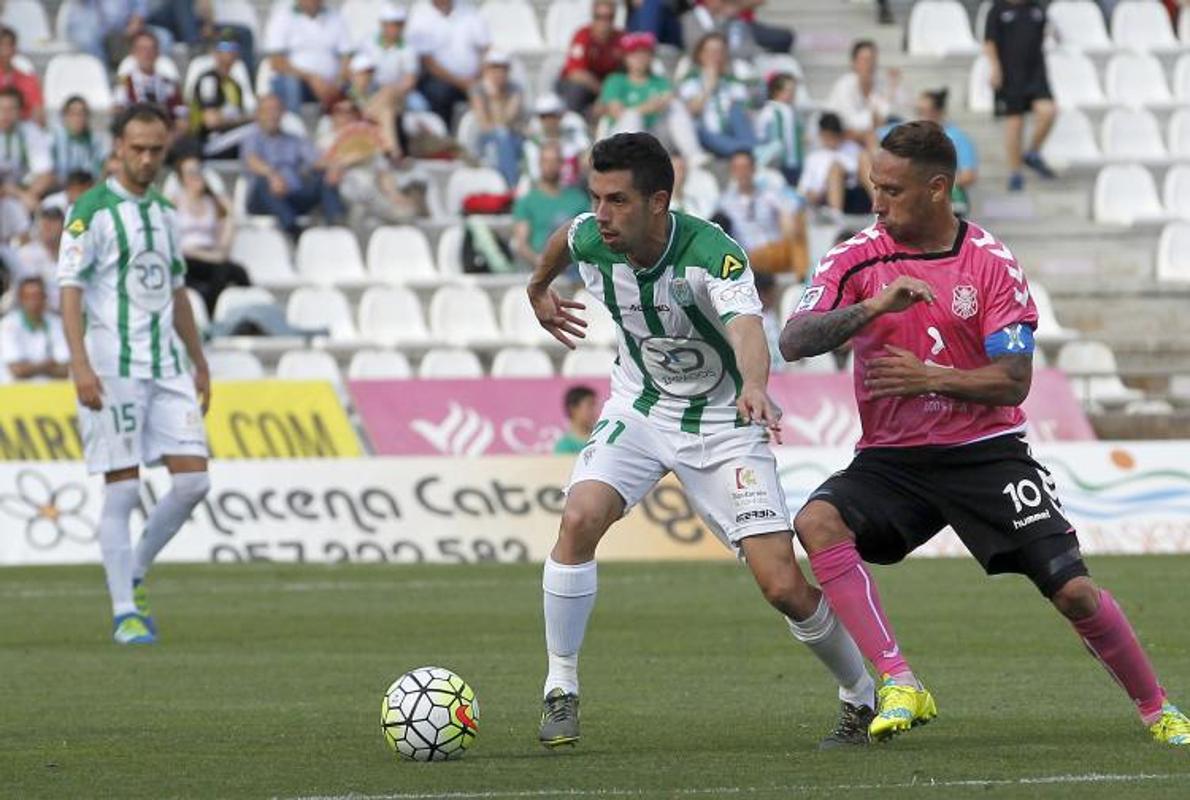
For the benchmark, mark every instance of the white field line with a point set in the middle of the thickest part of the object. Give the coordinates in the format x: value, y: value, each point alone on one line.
x: 1092, y: 777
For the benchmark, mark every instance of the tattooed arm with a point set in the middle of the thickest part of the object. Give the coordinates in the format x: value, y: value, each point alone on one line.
x: 808, y: 335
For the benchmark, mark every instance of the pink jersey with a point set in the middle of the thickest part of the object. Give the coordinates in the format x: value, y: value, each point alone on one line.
x: 978, y: 291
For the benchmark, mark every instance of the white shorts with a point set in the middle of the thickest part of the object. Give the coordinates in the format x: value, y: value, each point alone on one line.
x: 141, y: 421
x: 730, y: 477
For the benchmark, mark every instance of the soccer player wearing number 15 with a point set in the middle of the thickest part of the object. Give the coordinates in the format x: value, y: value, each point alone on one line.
x: 941, y: 320
x: 688, y: 396
x: 124, y: 307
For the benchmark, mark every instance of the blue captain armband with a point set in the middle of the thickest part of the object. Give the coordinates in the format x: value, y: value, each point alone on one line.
x: 1013, y: 340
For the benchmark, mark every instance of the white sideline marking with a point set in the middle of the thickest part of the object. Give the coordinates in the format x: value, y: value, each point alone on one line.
x: 1091, y: 777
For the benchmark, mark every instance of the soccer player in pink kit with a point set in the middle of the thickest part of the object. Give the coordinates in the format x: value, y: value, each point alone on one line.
x: 941, y: 321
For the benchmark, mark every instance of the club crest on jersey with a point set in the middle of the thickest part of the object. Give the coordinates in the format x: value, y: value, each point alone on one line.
x: 810, y: 298
x: 966, y: 301
x: 682, y: 292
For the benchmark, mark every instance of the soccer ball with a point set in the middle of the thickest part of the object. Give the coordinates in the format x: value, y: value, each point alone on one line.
x: 429, y: 714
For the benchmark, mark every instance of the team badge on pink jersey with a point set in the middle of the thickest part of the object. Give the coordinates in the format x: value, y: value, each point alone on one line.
x: 966, y: 301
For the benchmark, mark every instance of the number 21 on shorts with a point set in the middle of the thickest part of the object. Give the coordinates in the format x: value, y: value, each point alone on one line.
x: 617, y: 429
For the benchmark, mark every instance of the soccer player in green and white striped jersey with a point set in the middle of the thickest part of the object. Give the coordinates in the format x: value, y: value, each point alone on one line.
x: 688, y: 396
x: 126, y: 317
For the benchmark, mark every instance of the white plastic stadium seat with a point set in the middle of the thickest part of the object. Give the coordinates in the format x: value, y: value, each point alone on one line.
x: 379, y: 365
x: 1184, y: 25
x: 362, y: 18
x: 1181, y: 78
x: 1132, y: 134
x: 234, y: 365
x: 450, y: 363
x: 701, y: 192
x: 392, y: 315
x: 1080, y: 25
x: 1125, y: 194
x: 321, y: 308
x: 401, y: 254
x: 522, y: 362
x: 468, y: 131
x: 1071, y: 141
x: 563, y: 19
x: 513, y: 25
x: 1179, y: 388
x: 237, y: 297
x: 465, y: 181
x: 238, y: 12
x: 1136, y: 79
x: 199, y: 306
x: 518, y: 321
x: 462, y: 315
x: 1049, y: 330
x: 1175, y: 192
x: 981, y: 98
x: 329, y: 255
x: 29, y: 20
x: 1074, y: 81
x: 1095, y: 374
x: 450, y: 251
x: 940, y: 28
x: 1173, y: 253
x: 601, y: 328
x: 81, y: 74
x: 1142, y: 25
x: 588, y: 362
x: 309, y: 365
x: 1179, y: 135
x: 264, y: 252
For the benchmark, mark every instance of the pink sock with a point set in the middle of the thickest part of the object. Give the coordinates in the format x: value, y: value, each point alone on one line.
x: 1110, y: 638
x: 850, y: 590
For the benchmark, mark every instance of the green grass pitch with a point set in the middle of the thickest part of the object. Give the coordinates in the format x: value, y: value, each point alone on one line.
x: 268, y: 678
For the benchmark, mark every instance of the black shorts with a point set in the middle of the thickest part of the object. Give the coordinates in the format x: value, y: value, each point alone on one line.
x: 1018, y: 94
x: 1001, y: 502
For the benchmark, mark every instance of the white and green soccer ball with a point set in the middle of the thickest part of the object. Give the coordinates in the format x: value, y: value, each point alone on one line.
x: 429, y: 714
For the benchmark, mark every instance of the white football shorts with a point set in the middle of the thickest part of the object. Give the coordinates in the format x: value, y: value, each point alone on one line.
x: 141, y: 421
x: 730, y: 477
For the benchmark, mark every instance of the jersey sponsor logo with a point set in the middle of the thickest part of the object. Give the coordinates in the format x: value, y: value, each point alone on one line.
x: 682, y: 367
x: 72, y: 257
x: 966, y: 301
x: 637, y: 307
x: 745, y: 478
x: 810, y: 298
x: 77, y: 228
x: 731, y: 267
x: 738, y: 292
x: 682, y: 292
x: 756, y: 514
x: 148, y: 282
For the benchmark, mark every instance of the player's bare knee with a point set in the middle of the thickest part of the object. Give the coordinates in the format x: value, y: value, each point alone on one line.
x: 788, y: 592
x: 819, y: 525
x: 582, y: 527
x: 1076, y: 599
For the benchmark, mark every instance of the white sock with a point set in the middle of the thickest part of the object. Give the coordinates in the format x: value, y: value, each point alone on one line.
x: 188, y: 489
x: 835, y: 648
x: 115, y: 542
x: 569, y: 596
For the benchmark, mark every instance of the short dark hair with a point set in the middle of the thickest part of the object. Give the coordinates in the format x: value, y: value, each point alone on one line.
x: 79, y: 176
x: 937, y: 98
x: 76, y: 98
x: 51, y: 212
x: 925, y: 145
x: 15, y: 93
x: 778, y: 82
x: 639, y: 153
x: 141, y: 112
x: 576, y: 395
x: 25, y: 281
x: 861, y: 44
x: 141, y: 34
x: 8, y: 33
x: 830, y: 123
x: 748, y: 153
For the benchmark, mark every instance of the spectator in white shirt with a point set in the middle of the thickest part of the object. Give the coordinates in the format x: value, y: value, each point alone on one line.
x: 309, y: 46
x: 31, y: 342
x: 26, y: 168
x: 862, y: 100
x: 717, y: 101
x: 767, y: 222
x: 450, y: 38
x: 38, y: 258
x: 831, y: 178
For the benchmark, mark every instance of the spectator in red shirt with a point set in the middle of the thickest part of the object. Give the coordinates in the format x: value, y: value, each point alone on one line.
x: 595, y: 52
x: 32, y: 104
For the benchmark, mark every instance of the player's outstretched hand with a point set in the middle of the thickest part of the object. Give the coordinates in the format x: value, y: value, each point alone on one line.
x: 898, y: 373
x: 755, y: 405
x: 553, y: 312
x: 88, y: 387
x: 902, y: 293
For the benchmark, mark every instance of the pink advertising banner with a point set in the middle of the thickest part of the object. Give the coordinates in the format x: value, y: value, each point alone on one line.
x: 524, y: 415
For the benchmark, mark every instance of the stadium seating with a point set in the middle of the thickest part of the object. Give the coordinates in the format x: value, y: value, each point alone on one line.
x: 392, y: 315
x: 329, y: 256
x: 28, y: 18
x: 264, y: 252
x: 379, y: 365
x: 1179, y: 135
x: 450, y: 251
x: 1073, y: 80
x: 981, y: 98
x: 1175, y: 192
x: 1179, y: 389
x: 514, y: 25
x: 77, y: 73
x: 1071, y: 141
x: 824, y: 364
x: 1095, y: 375
x: 1049, y: 330
x: 401, y: 254
x: 199, y: 307
x: 309, y: 365
x: 940, y: 28
x: 321, y: 308
x: 236, y: 297
x: 562, y: 19
x: 1142, y: 25
x: 588, y: 362
x: 1125, y: 194
x: 518, y: 321
x: 1080, y: 25
x: 601, y: 328
x: 362, y: 18
x: 450, y: 363
x: 462, y: 316
x: 234, y: 365
x: 1132, y: 134
x: 238, y: 12
x: 1136, y: 79
x: 465, y: 181
x: 522, y: 362
x: 1173, y: 253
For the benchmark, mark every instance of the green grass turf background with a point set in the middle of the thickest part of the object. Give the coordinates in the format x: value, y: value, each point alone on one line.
x: 268, y: 679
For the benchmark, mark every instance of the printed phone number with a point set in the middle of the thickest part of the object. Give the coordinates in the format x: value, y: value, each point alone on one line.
x: 450, y: 550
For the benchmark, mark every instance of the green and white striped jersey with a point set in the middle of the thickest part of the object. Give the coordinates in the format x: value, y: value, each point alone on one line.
x: 122, y: 251
x: 675, y: 362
